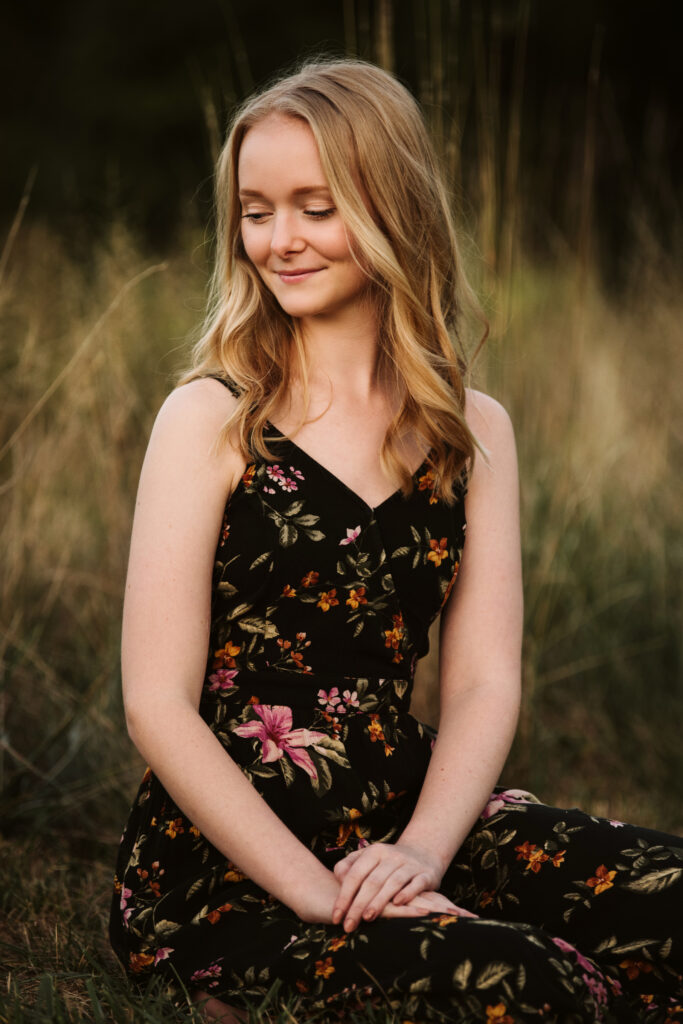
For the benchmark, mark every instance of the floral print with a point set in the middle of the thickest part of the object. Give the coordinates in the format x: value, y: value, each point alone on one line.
x: 321, y: 607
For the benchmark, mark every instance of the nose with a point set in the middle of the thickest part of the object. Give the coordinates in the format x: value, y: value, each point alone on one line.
x: 285, y: 237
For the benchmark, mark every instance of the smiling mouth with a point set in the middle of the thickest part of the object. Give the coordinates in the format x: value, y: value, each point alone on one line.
x: 291, y: 276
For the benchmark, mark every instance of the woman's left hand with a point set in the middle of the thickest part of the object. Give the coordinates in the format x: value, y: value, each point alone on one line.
x: 380, y: 873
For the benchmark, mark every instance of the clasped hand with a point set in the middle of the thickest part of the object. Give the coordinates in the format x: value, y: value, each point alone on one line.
x: 389, y: 880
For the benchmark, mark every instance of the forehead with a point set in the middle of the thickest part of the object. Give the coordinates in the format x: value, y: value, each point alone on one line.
x: 279, y: 151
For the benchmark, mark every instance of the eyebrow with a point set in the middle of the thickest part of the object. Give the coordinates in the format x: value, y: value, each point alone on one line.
x: 302, y: 191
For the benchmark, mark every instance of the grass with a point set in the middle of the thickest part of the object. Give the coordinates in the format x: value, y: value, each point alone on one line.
x: 599, y: 434
x: 89, y: 352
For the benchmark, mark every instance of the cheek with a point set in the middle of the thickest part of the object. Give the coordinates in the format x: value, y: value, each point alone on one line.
x: 255, y: 246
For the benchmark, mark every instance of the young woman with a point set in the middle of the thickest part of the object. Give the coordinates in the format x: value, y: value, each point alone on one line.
x: 300, y: 523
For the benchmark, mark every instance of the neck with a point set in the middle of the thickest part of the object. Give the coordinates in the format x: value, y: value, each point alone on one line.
x: 342, y: 354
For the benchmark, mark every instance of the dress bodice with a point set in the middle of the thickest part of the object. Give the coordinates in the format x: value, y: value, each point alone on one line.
x: 310, y: 580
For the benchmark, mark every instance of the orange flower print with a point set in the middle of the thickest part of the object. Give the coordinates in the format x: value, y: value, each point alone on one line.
x: 486, y: 898
x: 602, y: 880
x: 558, y: 859
x: 427, y: 482
x: 301, y: 985
x: 352, y: 825
x: 375, y: 729
x: 328, y: 599
x: 451, y: 583
x: 445, y: 919
x: 310, y: 579
x: 174, y: 828
x: 248, y: 475
x: 195, y: 831
x: 214, y: 916
x: 225, y: 658
x: 335, y: 944
x: 288, y: 591
x: 498, y: 1014
x: 324, y: 968
x: 377, y: 733
x: 152, y: 882
x: 356, y: 597
x: 138, y: 961
x: 394, y: 637
x: 533, y: 855
x: 225, y: 530
x: 439, y: 551
x: 233, y: 874
x: 635, y: 967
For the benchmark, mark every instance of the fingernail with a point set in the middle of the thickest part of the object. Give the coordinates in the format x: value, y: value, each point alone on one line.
x: 369, y: 914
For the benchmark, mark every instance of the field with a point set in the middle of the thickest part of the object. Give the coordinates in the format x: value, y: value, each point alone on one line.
x: 89, y: 349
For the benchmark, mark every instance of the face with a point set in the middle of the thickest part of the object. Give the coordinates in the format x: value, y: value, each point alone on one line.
x: 291, y: 231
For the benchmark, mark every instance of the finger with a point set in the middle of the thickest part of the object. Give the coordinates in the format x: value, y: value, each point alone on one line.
x: 366, y: 893
x: 419, y: 883
x: 394, y: 883
x: 342, y: 866
x: 391, y: 911
x: 351, y: 883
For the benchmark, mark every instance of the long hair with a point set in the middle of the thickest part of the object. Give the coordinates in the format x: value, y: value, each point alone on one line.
x: 370, y: 133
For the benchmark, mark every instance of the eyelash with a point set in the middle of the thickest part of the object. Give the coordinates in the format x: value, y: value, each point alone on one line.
x: 314, y: 214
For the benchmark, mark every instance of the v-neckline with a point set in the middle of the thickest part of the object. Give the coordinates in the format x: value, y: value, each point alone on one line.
x: 372, y: 509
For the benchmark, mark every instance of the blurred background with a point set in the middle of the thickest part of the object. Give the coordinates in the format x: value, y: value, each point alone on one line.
x: 558, y: 125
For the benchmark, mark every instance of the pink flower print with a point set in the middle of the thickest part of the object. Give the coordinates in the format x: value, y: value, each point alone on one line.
x: 162, y: 954
x: 288, y: 484
x: 278, y: 738
x: 222, y: 679
x: 275, y: 473
x: 508, y: 796
x: 351, y: 699
x: 597, y: 990
x: 616, y: 824
x: 125, y: 895
x: 269, y: 490
x: 351, y: 535
x: 331, y: 700
x: 212, y: 971
x: 297, y: 473
x: 566, y: 947
x: 126, y: 915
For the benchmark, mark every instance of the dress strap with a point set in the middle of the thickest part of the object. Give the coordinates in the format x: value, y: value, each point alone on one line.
x: 227, y: 382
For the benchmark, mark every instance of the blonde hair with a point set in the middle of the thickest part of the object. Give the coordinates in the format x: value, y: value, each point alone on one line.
x: 371, y: 136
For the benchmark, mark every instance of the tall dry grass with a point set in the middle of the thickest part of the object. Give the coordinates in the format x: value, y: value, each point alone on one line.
x: 592, y: 389
x: 88, y: 351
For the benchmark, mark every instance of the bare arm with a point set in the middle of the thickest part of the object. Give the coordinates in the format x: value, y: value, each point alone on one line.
x: 480, y: 650
x: 479, y: 686
x: 181, y: 499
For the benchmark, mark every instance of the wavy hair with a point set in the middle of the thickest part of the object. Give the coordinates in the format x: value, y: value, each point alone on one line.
x: 373, y: 143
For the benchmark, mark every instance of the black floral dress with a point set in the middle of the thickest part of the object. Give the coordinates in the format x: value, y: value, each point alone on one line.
x: 321, y: 609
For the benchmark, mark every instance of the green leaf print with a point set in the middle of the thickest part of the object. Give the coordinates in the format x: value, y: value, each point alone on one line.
x: 260, y: 559
x: 164, y: 928
x: 461, y: 975
x: 288, y: 535
x: 656, y: 881
x: 492, y: 974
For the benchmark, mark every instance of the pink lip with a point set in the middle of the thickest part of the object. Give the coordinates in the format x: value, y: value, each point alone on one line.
x: 291, y: 276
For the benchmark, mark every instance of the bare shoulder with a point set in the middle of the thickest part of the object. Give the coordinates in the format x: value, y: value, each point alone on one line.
x: 187, y: 427
x: 487, y: 418
x: 201, y: 406
x: 492, y: 427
